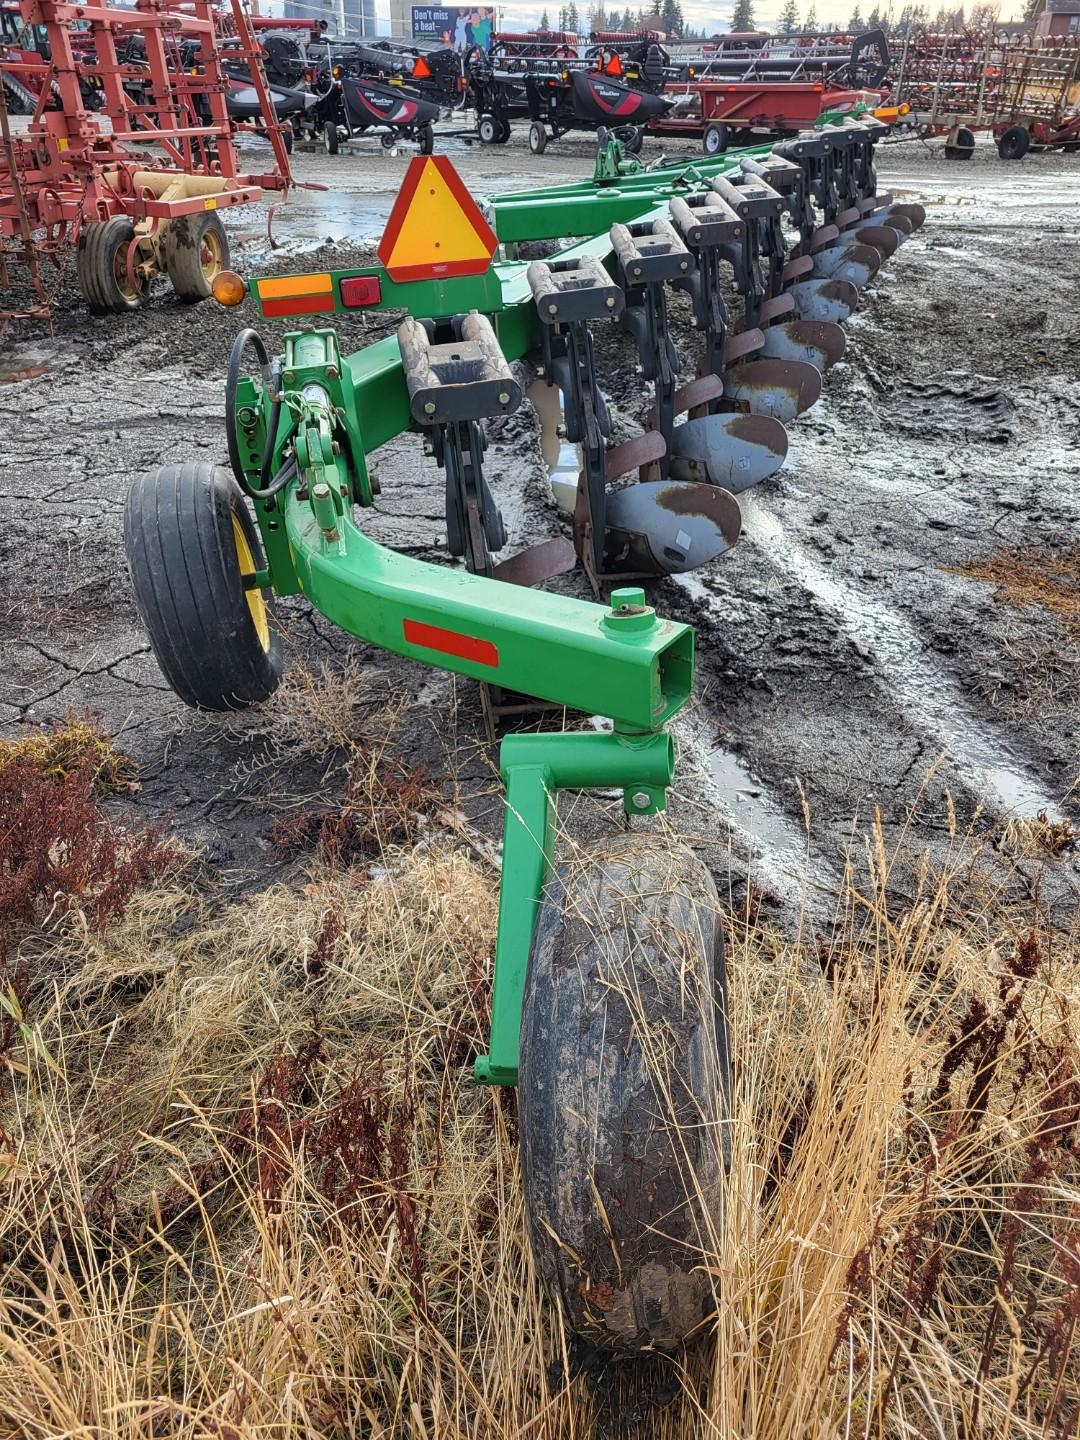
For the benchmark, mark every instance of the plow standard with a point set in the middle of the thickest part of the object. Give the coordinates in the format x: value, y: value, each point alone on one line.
x: 608, y: 1003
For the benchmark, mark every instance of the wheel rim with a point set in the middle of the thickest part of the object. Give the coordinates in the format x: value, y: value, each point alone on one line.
x: 211, y: 254
x: 120, y: 275
x: 260, y: 616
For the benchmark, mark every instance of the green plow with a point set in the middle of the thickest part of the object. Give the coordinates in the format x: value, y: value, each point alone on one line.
x: 608, y: 988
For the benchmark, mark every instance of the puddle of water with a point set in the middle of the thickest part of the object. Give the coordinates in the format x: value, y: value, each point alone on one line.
x: 12, y: 374
x: 930, y: 699
x: 753, y: 811
x: 27, y: 361
x: 310, y: 218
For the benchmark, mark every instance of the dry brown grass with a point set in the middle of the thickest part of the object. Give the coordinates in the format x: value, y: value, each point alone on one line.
x: 257, y: 1194
x: 75, y: 744
x: 1026, y: 577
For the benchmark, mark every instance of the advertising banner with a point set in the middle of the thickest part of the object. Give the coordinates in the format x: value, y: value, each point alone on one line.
x: 461, y: 26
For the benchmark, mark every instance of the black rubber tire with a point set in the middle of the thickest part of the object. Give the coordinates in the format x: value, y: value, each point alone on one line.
x: 182, y: 558
x: 715, y: 140
x: 1015, y: 143
x: 623, y: 1092
x: 425, y: 139
x: 331, y: 140
x: 963, y: 147
x: 389, y: 140
x: 487, y: 128
x: 505, y: 131
x: 99, y: 243
x: 538, y: 137
x: 184, y: 242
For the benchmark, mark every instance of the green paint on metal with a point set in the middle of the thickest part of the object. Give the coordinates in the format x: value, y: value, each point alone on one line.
x: 550, y: 646
x: 624, y: 662
x: 535, y: 768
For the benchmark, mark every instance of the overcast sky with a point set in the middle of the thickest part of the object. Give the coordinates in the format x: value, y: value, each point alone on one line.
x: 525, y: 14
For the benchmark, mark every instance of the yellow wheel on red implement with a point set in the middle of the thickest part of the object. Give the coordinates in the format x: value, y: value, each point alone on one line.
x: 196, y: 249
x: 101, y: 266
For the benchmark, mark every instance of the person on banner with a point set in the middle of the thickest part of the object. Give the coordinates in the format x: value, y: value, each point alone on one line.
x: 461, y: 29
x: 480, y: 24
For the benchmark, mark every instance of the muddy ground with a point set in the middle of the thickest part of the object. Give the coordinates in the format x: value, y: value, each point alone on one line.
x: 844, y: 666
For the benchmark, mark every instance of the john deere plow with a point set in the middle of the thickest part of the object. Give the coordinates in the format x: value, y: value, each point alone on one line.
x: 608, y: 996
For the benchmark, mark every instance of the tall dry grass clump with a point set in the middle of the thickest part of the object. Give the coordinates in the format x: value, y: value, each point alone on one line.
x: 248, y: 1188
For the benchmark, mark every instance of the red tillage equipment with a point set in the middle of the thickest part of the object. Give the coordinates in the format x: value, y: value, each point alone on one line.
x: 138, y: 195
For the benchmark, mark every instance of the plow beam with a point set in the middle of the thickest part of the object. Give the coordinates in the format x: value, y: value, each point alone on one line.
x: 637, y: 669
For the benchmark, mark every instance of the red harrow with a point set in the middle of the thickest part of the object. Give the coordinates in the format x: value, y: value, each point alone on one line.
x: 137, y: 196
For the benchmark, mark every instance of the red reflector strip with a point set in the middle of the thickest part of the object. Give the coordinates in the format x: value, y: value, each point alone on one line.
x: 451, y: 642
x: 298, y: 305
x: 360, y: 290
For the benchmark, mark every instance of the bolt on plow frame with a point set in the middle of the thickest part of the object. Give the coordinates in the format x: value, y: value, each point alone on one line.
x: 133, y: 212
x: 608, y: 1001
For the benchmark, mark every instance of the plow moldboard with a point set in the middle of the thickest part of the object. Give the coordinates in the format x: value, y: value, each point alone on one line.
x: 783, y: 389
x: 667, y: 527
x: 732, y: 451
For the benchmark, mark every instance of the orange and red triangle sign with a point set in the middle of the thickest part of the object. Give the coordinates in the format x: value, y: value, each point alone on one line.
x: 435, y: 229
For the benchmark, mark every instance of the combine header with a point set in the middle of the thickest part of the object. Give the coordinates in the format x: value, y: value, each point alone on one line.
x: 608, y: 1001
x: 132, y: 211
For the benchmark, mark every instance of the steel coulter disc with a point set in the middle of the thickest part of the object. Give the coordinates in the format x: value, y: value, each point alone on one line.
x: 668, y: 527
x: 819, y: 342
x: 733, y: 451
x: 784, y: 389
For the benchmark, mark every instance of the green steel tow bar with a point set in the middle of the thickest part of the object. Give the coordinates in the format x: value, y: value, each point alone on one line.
x: 623, y: 662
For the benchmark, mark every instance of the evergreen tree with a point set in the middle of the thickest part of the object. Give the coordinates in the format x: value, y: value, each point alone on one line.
x: 562, y: 18
x: 789, y: 18
x: 545, y: 24
x: 855, y: 24
x: 627, y: 26
x: 742, y: 18
x: 873, y: 20
x: 810, y: 23
x: 573, y: 23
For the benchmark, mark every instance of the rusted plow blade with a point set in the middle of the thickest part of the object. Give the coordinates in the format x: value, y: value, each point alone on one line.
x: 820, y: 343
x: 733, y: 451
x: 849, y: 261
x: 833, y: 299
x: 782, y: 389
x: 666, y: 527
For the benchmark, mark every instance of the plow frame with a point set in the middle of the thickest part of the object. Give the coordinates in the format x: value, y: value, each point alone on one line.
x: 619, y: 661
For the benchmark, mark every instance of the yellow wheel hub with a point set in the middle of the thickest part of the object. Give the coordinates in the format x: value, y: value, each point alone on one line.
x: 260, y: 617
x: 211, y: 255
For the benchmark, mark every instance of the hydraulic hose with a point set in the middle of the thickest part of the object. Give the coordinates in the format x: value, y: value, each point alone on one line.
x: 267, y: 488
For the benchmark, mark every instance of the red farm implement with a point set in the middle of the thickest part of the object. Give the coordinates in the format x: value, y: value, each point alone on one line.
x: 959, y: 82
x: 136, y: 187
x: 773, y: 88
x: 724, y: 112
